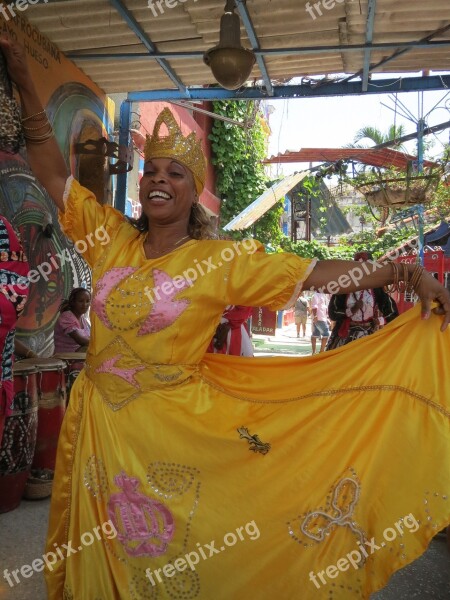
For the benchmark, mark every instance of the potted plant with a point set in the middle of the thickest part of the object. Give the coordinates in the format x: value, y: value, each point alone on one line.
x: 395, y: 188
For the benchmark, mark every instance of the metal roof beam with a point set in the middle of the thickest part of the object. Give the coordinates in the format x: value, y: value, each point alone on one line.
x: 403, y: 48
x: 371, y: 8
x: 251, y: 33
x: 379, y: 86
x: 270, y: 52
x: 140, y: 33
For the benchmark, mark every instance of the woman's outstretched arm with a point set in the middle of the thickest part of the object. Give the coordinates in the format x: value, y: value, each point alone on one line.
x: 45, y: 158
x: 344, y: 277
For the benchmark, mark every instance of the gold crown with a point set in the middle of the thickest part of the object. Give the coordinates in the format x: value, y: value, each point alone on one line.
x: 185, y: 150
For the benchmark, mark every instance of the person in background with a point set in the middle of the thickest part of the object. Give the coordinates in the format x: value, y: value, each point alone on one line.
x: 72, y: 329
x: 232, y: 336
x: 13, y: 295
x: 320, y: 329
x: 301, y: 314
x: 360, y: 313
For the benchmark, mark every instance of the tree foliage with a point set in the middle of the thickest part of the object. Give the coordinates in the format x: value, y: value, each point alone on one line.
x: 376, y: 136
x: 350, y: 244
x: 237, y: 154
x: 441, y: 198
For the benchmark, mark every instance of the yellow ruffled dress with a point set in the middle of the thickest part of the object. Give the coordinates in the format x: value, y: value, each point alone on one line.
x: 184, y: 476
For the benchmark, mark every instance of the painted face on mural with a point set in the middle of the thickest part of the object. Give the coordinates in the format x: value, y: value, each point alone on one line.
x: 167, y: 191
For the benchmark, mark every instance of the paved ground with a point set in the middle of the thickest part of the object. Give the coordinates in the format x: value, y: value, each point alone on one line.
x: 284, y: 343
x: 22, y: 539
x: 22, y: 532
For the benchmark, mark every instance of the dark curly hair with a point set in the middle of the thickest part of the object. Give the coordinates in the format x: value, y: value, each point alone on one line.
x: 67, y: 304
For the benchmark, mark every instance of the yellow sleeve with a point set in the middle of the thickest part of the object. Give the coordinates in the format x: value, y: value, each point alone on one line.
x: 87, y: 223
x: 273, y: 280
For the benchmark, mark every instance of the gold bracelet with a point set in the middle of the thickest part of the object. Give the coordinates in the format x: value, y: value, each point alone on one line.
x: 40, y: 139
x: 35, y: 142
x: 42, y: 112
x: 48, y: 125
x: 44, y: 124
x: 416, y: 277
x: 396, y: 274
x: 404, y: 279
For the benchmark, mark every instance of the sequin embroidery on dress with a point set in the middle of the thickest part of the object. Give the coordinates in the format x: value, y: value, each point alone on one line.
x: 144, y: 526
x: 338, y: 511
x: 151, y: 308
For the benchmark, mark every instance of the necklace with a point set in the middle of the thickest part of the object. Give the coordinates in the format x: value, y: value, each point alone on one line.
x: 167, y: 248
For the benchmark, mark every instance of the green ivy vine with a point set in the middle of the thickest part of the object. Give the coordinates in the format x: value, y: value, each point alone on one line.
x: 237, y: 154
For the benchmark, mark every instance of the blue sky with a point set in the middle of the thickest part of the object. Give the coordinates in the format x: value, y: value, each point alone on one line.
x: 333, y: 121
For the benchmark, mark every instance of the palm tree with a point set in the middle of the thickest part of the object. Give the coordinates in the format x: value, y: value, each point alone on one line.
x: 378, y: 137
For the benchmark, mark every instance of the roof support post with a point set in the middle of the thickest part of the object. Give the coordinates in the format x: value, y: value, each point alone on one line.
x: 249, y: 28
x: 371, y: 7
x: 124, y: 140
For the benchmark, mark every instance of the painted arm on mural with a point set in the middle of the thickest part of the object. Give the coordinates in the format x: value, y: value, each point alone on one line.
x: 44, y: 155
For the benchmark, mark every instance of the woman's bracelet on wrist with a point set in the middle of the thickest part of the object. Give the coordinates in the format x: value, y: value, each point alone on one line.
x: 402, y: 275
x: 37, y: 122
x: 39, y: 116
x: 416, y: 278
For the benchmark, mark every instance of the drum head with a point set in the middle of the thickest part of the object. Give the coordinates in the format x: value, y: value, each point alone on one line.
x: 71, y: 356
x: 43, y: 364
x: 21, y: 369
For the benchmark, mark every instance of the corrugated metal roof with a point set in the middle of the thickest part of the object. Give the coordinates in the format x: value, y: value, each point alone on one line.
x: 263, y: 203
x: 383, y: 157
x: 335, y: 221
x: 89, y: 26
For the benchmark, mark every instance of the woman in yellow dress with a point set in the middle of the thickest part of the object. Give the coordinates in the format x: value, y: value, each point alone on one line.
x: 185, y: 476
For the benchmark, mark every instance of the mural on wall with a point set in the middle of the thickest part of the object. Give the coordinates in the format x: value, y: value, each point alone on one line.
x: 78, y: 115
x: 76, y: 108
x: 55, y: 266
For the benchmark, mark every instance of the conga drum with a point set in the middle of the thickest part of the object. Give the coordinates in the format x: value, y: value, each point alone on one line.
x: 51, y: 389
x: 75, y: 363
x: 19, y: 438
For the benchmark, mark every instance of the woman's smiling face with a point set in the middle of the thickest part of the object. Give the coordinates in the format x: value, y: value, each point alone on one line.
x: 167, y: 191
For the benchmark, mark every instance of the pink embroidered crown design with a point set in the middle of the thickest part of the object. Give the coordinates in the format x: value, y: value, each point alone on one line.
x: 145, y: 526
